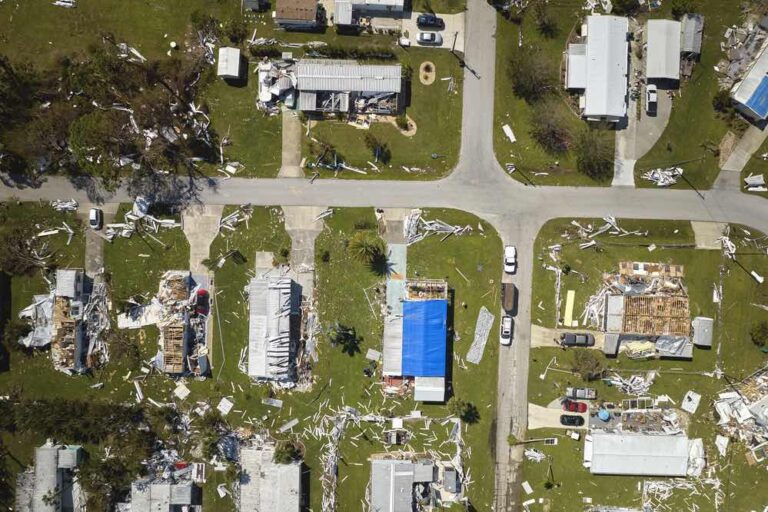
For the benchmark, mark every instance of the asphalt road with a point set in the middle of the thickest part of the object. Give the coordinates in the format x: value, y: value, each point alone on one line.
x: 480, y: 186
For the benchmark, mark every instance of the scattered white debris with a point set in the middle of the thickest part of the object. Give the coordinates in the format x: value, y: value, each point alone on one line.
x: 663, y: 177
x: 691, y: 402
x: 181, y: 391
x: 225, y: 405
x: 482, y: 329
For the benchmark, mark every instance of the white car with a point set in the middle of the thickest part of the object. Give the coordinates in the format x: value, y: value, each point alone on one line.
x: 505, y: 335
x: 95, y: 218
x: 651, y: 98
x: 510, y: 259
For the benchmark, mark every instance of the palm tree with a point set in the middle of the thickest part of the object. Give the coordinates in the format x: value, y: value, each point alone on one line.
x: 365, y: 247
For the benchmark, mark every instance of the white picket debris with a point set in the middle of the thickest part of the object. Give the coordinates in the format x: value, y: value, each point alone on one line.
x: 416, y: 228
x: 63, y: 205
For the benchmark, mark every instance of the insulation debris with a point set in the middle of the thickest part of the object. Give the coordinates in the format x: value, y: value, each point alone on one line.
x: 243, y: 214
x: 637, y: 385
x: 755, y: 183
x: 482, y: 329
x: 64, y: 205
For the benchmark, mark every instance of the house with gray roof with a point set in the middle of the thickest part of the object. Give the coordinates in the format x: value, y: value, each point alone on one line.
x: 267, y: 485
x: 396, y: 484
x: 52, y: 475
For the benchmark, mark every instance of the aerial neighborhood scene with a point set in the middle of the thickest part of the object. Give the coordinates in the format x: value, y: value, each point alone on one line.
x: 383, y: 255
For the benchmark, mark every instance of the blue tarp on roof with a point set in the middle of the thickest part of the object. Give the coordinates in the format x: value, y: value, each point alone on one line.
x: 758, y: 102
x: 424, y: 338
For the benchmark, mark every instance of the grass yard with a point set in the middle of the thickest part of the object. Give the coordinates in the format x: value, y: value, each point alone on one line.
x: 37, y: 32
x: 137, y: 263
x: 256, y: 137
x: 435, y: 111
x: 694, y: 131
x: 440, y: 6
x: 739, y: 359
x: 755, y: 165
x: 529, y: 156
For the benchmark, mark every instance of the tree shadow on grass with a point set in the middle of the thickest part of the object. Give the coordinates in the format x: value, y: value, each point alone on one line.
x: 380, y: 264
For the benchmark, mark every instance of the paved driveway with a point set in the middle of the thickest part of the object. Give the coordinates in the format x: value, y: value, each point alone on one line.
x: 549, y: 417
x: 453, y: 31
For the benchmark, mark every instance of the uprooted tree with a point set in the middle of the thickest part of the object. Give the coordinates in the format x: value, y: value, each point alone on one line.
x: 587, y: 365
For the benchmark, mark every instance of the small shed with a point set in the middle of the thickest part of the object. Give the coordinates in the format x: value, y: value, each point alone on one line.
x: 702, y: 331
x: 229, y: 63
x: 692, y: 34
x: 611, y: 344
x: 663, y: 58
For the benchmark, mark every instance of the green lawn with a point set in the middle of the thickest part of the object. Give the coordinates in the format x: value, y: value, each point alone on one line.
x: 739, y: 358
x: 436, y: 112
x: 694, y: 131
x: 138, y: 263
x: 526, y: 153
x: 37, y: 32
x: 755, y: 165
x: 256, y: 137
x: 440, y: 6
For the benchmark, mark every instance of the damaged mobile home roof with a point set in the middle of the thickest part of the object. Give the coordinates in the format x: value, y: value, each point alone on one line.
x: 638, y: 454
x: 265, y: 485
x: 347, y: 75
x: 692, y: 33
x: 663, y: 58
x: 392, y: 483
x: 702, y: 331
x: 296, y: 10
x: 752, y: 92
x: 606, y: 64
x: 272, y: 302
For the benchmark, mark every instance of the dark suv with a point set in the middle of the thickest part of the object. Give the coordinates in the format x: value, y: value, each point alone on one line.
x: 571, y: 421
x: 430, y: 21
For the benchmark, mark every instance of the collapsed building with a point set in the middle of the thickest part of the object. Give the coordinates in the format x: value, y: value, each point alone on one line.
x: 54, y: 474
x: 267, y: 485
x: 415, y: 337
x: 742, y: 412
x: 331, y: 86
x: 645, y: 311
x: 171, y: 486
x: 71, y: 321
x: 181, y: 311
x: 273, y: 331
x: 407, y: 481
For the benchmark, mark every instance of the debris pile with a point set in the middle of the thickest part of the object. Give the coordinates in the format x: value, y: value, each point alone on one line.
x: 139, y: 219
x: 71, y: 322
x: 741, y: 45
x: 62, y: 205
x: 277, y: 82
x: 663, y: 177
x: 181, y: 310
x: 416, y: 228
x: 637, y: 385
x: 755, y: 183
x: 234, y: 219
x: 743, y: 413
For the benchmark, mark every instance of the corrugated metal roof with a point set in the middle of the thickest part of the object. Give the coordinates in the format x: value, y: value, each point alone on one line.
x: 391, y: 486
x: 271, y: 303
x: 67, y: 281
x: 47, y: 477
x: 429, y: 389
x: 607, y: 67
x: 663, y: 57
x: 392, y: 363
x: 639, y: 455
x: 693, y: 31
x: 229, y: 62
x: 576, y: 77
x: 702, y: 331
x: 307, y: 100
x: 614, y: 315
x: 265, y: 485
x: 347, y: 75
x: 343, y: 12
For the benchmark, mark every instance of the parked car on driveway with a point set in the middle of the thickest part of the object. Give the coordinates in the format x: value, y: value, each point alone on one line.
x: 651, y: 98
x: 510, y: 259
x: 95, y: 218
x: 572, y: 406
x: 571, y: 421
x: 505, y: 334
x: 581, y: 393
x: 508, y: 297
x: 429, y: 39
x: 569, y: 339
x: 430, y: 21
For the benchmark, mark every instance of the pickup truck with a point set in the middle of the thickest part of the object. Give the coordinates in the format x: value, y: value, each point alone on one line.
x: 508, y: 297
x: 580, y: 393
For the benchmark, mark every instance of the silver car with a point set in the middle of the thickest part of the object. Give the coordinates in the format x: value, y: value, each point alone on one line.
x: 429, y: 38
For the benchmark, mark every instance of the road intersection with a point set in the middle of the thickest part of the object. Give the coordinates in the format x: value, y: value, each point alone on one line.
x: 480, y: 186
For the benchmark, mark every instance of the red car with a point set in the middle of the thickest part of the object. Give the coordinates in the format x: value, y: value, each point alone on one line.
x: 571, y: 406
x: 203, y: 302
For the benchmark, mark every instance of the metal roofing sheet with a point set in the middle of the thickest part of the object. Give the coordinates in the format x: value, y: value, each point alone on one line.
x: 663, y: 57
x: 702, y: 331
x: 638, y: 454
x: 67, y: 283
x: 607, y: 67
x: 751, y: 91
x: 393, y: 323
x: 424, y: 337
x: 391, y: 486
x: 429, y: 389
x: 343, y: 12
x: 693, y: 31
x: 265, y: 485
x: 577, y: 66
x: 229, y: 62
x: 347, y: 75
x: 270, y: 303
